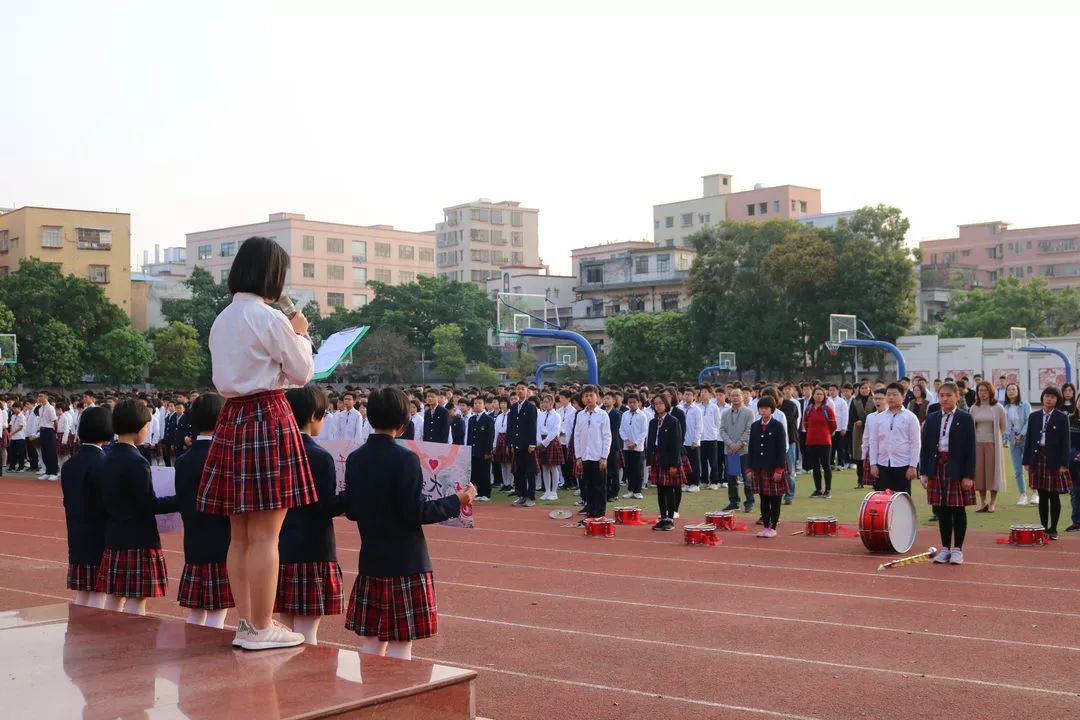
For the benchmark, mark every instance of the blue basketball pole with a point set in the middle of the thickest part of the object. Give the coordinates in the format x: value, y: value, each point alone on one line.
x: 705, y: 371
x: 901, y: 367
x: 538, y: 377
x: 569, y: 335
x: 1052, y: 351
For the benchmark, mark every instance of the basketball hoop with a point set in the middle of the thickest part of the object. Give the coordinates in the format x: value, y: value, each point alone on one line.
x: 833, y: 348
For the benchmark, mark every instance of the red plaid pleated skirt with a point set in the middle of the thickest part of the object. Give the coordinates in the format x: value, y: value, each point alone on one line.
x: 551, y: 455
x: 397, y: 609
x: 309, y: 588
x: 660, y: 475
x: 257, y: 460
x: 687, y: 466
x: 138, y: 573
x: 82, y: 577
x: 502, y: 454
x: 763, y: 482
x: 205, y: 586
x: 1047, y: 478
x: 943, y: 492
x: 865, y: 478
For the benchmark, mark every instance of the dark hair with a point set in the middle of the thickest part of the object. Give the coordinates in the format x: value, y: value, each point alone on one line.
x: 129, y: 416
x: 307, y: 402
x: 388, y: 409
x: 95, y: 425
x: 766, y: 401
x: 1019, y: 395
x: 989, y: 392
x: 205, y: 411
x: 949, y: 386
x: 879, y: 391
x: 633, y: 396
x: 1051, y: 390
x: 590, y: 388
x: 895, y: 386
x: 664, y: 399
x: 259, y: 268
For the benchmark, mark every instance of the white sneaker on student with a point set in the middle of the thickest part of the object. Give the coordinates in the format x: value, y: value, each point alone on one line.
x: 942, y: 556
x: 275, y: 635
x: 243, y: 630
x: 675, y: 516
x: 1034, y: 497
x: 639, y: 496
x: 577, y: 493
x: 52, y: 478
x: 1023, y: 500
x: 627, y: 495
x: 956, y: 557
x: 693, y: 488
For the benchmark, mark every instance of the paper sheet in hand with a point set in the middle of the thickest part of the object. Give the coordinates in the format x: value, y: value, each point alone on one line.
x: 335, y: 349
x: 164, y: 480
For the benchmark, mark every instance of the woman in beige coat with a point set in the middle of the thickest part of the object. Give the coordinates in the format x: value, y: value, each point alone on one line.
x: 990, y: 425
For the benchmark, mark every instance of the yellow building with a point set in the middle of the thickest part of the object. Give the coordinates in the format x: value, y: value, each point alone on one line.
x: 85, y: 243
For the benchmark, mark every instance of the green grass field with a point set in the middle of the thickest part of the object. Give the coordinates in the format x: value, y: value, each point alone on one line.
x: 844, y: 504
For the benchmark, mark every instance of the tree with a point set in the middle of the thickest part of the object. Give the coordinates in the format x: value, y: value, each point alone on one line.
x: 9, y: 374
x: 650, y: 348
x: 482, y: 376
x: 208, y: 299
x: 525, y: 363
x: 340, y: 319
x: 61, y: 363
x: 384, y: 355
x: 121, y: 356
x: 446, y: 346
x: 1010, y: 303
x: 179, y: 361
x: 883, y: 224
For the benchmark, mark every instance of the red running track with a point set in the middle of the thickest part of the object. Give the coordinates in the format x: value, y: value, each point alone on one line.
x: 641, y: 626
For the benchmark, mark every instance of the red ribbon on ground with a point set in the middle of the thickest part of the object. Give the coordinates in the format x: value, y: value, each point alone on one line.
x: 846, y: 532
x: 642, y: 521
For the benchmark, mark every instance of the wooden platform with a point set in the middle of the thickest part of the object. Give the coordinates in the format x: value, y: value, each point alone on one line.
x: 64, y: 661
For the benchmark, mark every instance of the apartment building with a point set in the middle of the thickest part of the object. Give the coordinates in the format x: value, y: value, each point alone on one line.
x: 332, y: 263
x: 86, y: 243
x: 476, y: 239
x: 171, y: 263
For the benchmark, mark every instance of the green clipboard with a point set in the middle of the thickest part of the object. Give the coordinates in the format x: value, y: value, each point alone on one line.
x: 335, y: 349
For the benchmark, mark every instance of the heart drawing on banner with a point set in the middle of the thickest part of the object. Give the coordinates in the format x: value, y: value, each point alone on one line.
x: 433, y: 464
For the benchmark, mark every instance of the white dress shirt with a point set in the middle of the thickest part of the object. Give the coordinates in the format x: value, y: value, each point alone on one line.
x: 841, y: 408
x: 943, y: 436
x: 868, y: 432
x: 63, y: 429
x: 548, y: 424
x: 566, y: 423
x: 347, y: 426
x: 592, y: 435
x: 18, y: 426
x: 634, y: 428
x: 33, y: 422
x: 253, y: 348
x: 47, y: 416
x: 710, y: 426
x: 693, y: 424
x: 896, y: 440
x: 418, y: 425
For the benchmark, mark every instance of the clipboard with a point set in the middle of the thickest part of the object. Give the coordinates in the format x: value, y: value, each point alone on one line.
x: 335, y: 349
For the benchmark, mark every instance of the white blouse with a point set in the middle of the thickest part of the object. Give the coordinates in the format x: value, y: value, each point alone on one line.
x: 253, y: 348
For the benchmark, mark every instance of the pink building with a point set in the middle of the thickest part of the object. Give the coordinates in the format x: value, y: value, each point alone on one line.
x: 766, y: 203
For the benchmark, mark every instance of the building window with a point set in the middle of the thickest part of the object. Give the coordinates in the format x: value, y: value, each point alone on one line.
x: 515, y: 218
x: 335, y: 300
x: 763, y: 207
x: 499, y: 257
x: 802, y: 206
x: 224, y: 275
x: 1028, y: 244
x: 704, y: 218
x: 663, y: 263
x: 669, y: 221
x: 205, y: 252
x: 4, y: 271
x: 656, y: 224
x: 517, y: 239
x: 94, y: 239
x: 228, y: 249
x: 359, y: 277
x: 405, y: 252
x: 684, y: 262
x: 476, y: 235
x: 793, y: 206
x: 991, y: 252
x: 51, y: 236
x: 359, y: 251
x: 4, y: 245
x: 358, y: 301
x: 335, y: 245
x: 993, y: 276
x: 594, y: 275
x: 479, y: 214
x: 383, y: 276
x: 427, y: 255
x: 687, y: 219
x: 670, y: 243
x: 497, y: 237
x: 479, y: 275
x: 776, y: 206
x: 406, y: 276
x: 480, y: 255
x: 965, y: 253
x: 614, y: 309
x: 382, y: 250
x: 641, y: 264
x: 496, y: 217
x: 669, y: 301
x: 309, y: 243
x: 99, y: 273
x: 636, y: 304
x: 750, y: 209
x: 335, y: 272
x: 309, y: 270
x: 517, y: 258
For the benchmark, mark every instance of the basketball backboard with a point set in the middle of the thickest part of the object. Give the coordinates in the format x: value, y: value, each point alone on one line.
x: 567, y: 355
x: 9, y: 350
x: 841, y: 328
x: 1019, y: 337
x: 726, y: 361
x: 515, y: 312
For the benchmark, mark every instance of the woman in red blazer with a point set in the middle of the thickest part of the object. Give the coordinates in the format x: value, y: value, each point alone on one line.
x: 820, y: 424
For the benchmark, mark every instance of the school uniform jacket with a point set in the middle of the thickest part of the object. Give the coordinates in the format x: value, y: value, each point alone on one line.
x: 521, y: 425
x: 170, y: 429
x: 436, y: 425
x: 182, y: 431
x: 206, y: 537
x: 130, y: 502
x: 84, y: 509
x: 667, y: 439
x: 307, y: 535
x: 961, y: 445
x: 481, y: 434
x: 768, y: 448
x: 383, y: 494
x: 457, y: 430
x: 614, y: 423
x: 1056, y: 451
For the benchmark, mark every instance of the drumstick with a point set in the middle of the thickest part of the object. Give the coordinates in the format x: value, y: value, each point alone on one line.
x: 800, y: 532
x: 910, y: 560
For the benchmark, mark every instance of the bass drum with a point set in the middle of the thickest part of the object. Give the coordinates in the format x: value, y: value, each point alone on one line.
x: 887, y: 522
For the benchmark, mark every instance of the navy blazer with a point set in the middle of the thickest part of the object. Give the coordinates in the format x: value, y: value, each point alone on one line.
x: 384, y: 495
x: 457, y: 430
x: 206, y: 537
x: 961, y: 445
x: 521, y: 426
x: 481, y: 434
x: 615, y: 420
x: 128, y: 494
x: 84, y: 509
x: 767, y: 450
x: 1057, y: 439
x: 170, y: 429
x: 307, y: 535
x: 436, y: 424
x: 669, y: 443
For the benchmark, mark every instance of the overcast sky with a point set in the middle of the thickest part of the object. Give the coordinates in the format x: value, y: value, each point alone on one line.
x: 198, y: 115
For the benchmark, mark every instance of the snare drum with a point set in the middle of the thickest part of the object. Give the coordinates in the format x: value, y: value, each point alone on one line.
x: 708, y: 534
x: 694, y: 535
x: 628, y: 515
x: 599, y: 527
x: 1027, y: 535
x: 721, y: 519
x: 887, y: 522
x: 824, y: 525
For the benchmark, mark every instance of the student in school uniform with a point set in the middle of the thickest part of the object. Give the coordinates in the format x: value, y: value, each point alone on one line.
x: 480, y: 437
x: 895, y: 444
x: 180, y: 430
x: 664, y: 446
x: 309, y: 581
x: 436, y: 420
x: 839, y: 458
x: 33, y: 425
x: 566, y: 411
x: 64, y: 429
x: 393, y: 599
x: 415, y: 429
x: 614, y: 463
x: 17, y: 426
x: 521, y: 435
x: 348, y: 423
x: 81, y: 481
x: 710, y: 437
x: 168, y: 431
x: 204, y: 585
x: 947, y: 471
x: 592, y: 445
x: 692, y: 437
x: 1046, y: 458
x: 549, y: 448
x: 633, y: 432
x: 768, y: 464
x: 502, y: 456
x: 132, y: 566
x: 457, y: 426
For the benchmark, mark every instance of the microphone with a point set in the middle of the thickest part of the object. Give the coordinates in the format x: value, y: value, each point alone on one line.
x: 286, y: 304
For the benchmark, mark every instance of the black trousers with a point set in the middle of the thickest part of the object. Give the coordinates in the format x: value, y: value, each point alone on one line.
x: 32, y: 454
x: 839, y: 449
x: 770, y: 510
x: 524, y: 474
x: 47, y: 438
x: 593, y: 488
x: 694, y: 453
x: 817, y: 457
x: 568, y: 471
x: 710, y: 457
x: 16, y: 454
x: 669, y: 497
x: 145, y: 451
x: 481, y: 476
x: 892, y: 478
x: 634, y: 469
x: 613, y: 473
x: 166, y: 454
x: 802, y: 450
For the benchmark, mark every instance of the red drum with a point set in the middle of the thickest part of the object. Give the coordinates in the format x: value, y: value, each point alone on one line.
x: 693, y: 535
x: 721, y: 519
x: 600, y: 527
x: 887, y: 522
x: 630, y: 514
x: 1027, y: 535
x: 708, y: 534
x: 824, y: 525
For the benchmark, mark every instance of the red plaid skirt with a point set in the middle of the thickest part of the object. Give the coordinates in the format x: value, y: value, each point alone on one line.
x: 1042, y: 477
x: 944, y: 492
x: 397, y: 609
x: 687, y: 466
x: 661, y: 477
x: 502, y: 454
x: 135, y: 573
x: 309, y: 588
x: 762, y: 482
x: 551, y: 455
x: 865, y: 478
x: 257, y: 459
x: 82, y: 577
x: 205, y: 586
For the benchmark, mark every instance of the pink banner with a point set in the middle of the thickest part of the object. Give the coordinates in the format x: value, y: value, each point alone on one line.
x: 969, y: 375
x: 1051, y: 376
x: 1012, y: 375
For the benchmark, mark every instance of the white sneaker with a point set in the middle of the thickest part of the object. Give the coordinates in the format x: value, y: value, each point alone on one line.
x: 943, y: 556
x: 481, y: 498
x: 686, y: 488
x: 554, y: 497
x: 273, y: 636
x: 1023, y: 500
x: 52, y: 478
x: 577, y: 493
x: 1035, y: 497
x: 956, y: 557
x: 42, y: 476
x: 763, y: 533
x: 693, y: 488
x: 627, y: 495
x: 723, y: 485
x: 243, y: 630
x: 639, y: 496
x: 675, y: 516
